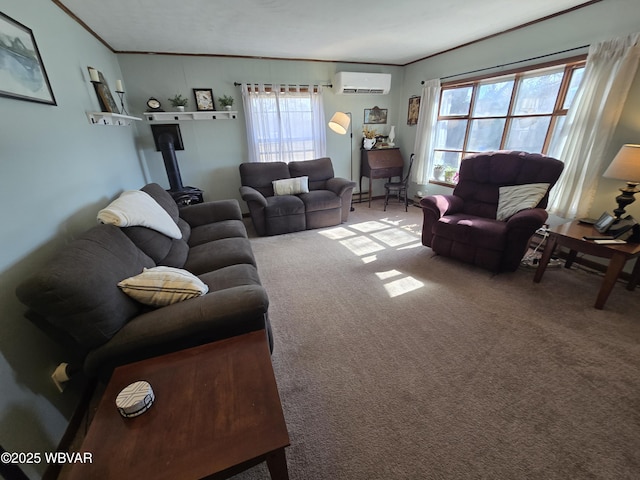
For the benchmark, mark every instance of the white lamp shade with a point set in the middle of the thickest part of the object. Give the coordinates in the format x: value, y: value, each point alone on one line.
x: 339, y: 123
x: 626, y: 165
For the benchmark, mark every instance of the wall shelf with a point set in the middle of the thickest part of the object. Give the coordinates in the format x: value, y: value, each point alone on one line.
x: 105, y: 118
x: 209, y: 115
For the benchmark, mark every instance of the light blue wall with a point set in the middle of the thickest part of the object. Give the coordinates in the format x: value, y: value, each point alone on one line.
x: 601, y: 21
x: 56, y: 171
x: 214, y: 149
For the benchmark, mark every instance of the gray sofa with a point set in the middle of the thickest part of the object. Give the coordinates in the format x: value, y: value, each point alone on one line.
x: 327, y: 202
x: 75, y: 297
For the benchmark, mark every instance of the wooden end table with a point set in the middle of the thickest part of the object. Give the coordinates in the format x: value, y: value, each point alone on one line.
x: 570, y: 235
x: 217, y: 412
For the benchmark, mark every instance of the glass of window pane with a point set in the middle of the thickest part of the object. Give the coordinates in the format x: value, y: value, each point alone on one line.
x: 527, y: 134
x: 485, y: 134
x: 447, y: 159
x: 576, y: 78
x: 455, y: 101
x: 555, y: 134
x: 493, y: 99
x: 538, y: 93
x: 450, y: 134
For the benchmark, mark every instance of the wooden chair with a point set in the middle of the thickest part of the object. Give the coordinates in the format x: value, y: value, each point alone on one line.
x: 398, y: 188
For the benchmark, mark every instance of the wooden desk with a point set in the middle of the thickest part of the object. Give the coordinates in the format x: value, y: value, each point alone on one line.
x: 380, y: 163
x: 570, y: 235
x: 217, y: 412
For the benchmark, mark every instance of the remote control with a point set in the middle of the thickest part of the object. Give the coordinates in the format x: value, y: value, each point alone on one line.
x: 605, y: 237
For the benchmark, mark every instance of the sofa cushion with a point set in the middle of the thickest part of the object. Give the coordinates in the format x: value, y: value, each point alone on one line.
x: 218, y: 254
x: 162, y: 286
x: 469, y: 230
x: 78, y: 292
x: 216, y: 231
x: 231, y: 276
x: 291, y: 186
x: 283, y: 205
x: 260, y: 175
x: 164, y: 199
x: 320, y: 200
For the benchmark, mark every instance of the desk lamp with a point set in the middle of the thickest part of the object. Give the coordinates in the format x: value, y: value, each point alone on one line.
x: 625, y: 166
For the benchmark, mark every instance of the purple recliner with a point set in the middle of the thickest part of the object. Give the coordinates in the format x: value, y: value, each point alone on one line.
x: 464, y: 225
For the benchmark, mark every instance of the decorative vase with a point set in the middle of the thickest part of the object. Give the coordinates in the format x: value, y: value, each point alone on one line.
x: 392, y: 135
x: 227, y: 107
x: 438, y: 173
x: 368, y: 143
x: 180, y: 108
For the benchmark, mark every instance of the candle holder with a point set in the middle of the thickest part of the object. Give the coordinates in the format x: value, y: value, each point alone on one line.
x: 123, y: 110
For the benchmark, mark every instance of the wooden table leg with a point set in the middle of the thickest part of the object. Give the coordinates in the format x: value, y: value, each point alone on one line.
x: 277, y: 463
x: 635, y: 276
x: 613, y: 271
x: 544, y: 260
x: 571, y: 258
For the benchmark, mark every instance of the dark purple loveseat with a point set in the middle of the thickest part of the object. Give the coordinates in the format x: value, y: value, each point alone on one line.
x: 464, y: 225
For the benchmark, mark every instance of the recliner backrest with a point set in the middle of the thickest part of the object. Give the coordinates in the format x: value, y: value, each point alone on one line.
x: 481, y: 176
x: 260, y: 175
x: 319, y: 171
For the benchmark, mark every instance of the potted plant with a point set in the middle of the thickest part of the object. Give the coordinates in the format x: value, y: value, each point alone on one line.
x: 369, y: 135
x: 179, y: 102
x: 226, y: 102
x: 449, y: 174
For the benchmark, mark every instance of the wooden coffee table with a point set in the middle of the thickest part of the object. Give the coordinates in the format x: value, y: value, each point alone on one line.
x: 217, y: 412
x: 570, y: 235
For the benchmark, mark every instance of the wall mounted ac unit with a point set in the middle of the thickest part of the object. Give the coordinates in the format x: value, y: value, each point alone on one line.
x: 359, y: 83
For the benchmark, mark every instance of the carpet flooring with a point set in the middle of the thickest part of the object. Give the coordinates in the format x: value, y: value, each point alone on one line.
x: 395, y: 363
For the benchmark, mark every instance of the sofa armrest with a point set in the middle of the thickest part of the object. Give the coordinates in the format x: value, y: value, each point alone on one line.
x: 442, y: 205
x: 214, y: 316
x: 339, y: 185
x: 211, y: 212
x: 250, y: 194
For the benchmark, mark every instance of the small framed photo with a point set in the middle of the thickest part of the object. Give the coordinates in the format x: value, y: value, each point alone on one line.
x: 22, y: 73
x: 375, y: 115
x: 204, y: 99
x: 414, y: 110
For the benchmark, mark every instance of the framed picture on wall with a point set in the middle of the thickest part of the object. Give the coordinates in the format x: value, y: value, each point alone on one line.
x: 414, y: 110
x: 22, y: 73
x: 204, y: 99
x: 375, y: 115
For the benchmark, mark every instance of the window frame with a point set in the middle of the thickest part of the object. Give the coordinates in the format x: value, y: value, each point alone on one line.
x: 570, y: 66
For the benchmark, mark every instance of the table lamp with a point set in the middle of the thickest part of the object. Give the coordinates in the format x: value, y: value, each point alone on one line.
x: 625, y: 166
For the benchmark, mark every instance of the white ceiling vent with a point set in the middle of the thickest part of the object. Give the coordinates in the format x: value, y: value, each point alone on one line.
x: 359, y: 83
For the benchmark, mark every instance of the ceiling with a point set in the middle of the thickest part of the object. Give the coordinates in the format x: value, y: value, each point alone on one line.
x: 361, y: 31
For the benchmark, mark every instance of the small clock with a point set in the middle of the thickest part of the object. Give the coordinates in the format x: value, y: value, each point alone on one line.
x: 154, y: 105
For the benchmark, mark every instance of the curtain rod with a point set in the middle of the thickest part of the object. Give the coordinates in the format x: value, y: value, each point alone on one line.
x: 237, y: 84
x: 513, y: 63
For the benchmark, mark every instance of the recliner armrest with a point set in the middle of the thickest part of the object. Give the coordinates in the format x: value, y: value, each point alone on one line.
x: 210, y: 212
x: 442, y: 205
x: 339, y: 185
x: 530, y: 218
x: 250, y: 194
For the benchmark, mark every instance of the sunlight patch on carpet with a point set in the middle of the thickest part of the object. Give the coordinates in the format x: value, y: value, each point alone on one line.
x: 337, y: 233
x: 362, y: 245
x: 371, y: 226
x: 394, y: 237
x: 402, y: 285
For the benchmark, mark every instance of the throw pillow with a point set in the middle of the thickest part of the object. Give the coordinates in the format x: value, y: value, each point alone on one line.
x: 161, y: 286
x: 519, y: 197
x: 291, y: 186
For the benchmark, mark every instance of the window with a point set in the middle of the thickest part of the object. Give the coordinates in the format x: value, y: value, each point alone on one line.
x: 284, y: 124
x: 519, y: 111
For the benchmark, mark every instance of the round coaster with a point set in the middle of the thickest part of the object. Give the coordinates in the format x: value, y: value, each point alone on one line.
x: 135, y: 399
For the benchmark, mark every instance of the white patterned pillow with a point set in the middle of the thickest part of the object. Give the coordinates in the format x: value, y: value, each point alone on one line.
x: 519, y: 197
x: 291, y: 186
x: 161, y: 286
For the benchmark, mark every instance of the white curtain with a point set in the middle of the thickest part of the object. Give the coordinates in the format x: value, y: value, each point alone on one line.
x: 426, y: 129
x: 284, y: 122
x: 590, y: 122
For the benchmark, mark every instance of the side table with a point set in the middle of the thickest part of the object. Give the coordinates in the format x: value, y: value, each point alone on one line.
x: 571, y: 235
